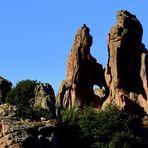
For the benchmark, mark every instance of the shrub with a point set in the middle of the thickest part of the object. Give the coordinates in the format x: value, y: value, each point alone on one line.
x: 21, y: 96
x: 69, y: 129
x: 99, y: 128
x: 125, y: 139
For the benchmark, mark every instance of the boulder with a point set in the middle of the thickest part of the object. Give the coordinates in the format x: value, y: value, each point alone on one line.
x: 82, y: 73
x: 5, y: 87
x: 127, y: 70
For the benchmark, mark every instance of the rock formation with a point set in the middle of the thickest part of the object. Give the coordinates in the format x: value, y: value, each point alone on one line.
x: 127, y: 69
x: 5, y: 87
x: 126, y: 76
x: 83, y: 72
x: 44, y: 97
x: 16, y: 133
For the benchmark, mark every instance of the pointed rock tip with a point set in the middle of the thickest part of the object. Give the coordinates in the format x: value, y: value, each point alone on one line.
x: 84, y: 26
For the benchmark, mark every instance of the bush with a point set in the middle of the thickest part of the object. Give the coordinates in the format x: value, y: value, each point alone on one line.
x: 21, y: 96
x: 125, y: 139
x: 99, y: 128
x: 69, y: 129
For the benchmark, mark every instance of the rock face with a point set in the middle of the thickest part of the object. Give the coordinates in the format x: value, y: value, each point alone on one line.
x: 127, y: 69
x: 5, y: 87
x: 44, y: 97
x: 83, y: 72
x: 16, y: 133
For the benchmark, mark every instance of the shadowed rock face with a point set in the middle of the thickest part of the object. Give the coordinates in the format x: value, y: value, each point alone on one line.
x: 127, y: 69
x: 83, y: 72
x: 5, y: 87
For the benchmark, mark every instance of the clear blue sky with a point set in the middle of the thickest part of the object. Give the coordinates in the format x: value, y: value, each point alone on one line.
x: 36, y: 35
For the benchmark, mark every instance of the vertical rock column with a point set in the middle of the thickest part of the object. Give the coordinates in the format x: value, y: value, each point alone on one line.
x: 127, y: 69
x: 83, y: 72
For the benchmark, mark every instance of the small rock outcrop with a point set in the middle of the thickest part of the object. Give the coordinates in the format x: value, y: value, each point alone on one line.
x: 83, y: 72
x: 127, y: 69
x: 44, y: 97
x: 5, y: 87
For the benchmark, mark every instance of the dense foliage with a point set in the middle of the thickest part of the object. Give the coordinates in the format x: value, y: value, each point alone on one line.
x: 109, y: 128
x: 21, y: 95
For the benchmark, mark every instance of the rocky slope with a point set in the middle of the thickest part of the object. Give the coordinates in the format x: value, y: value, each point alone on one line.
x: 16, y: 133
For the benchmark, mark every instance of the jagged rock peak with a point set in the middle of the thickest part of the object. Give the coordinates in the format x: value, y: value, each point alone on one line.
x: 127, y: 21
x: 80, y: 52
x: 122, y: 14
x: 82, y: 73
x: 83, y: 37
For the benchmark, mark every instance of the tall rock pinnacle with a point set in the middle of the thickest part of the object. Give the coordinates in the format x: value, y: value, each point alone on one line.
x: 83, y: 72
x: 127, y: 69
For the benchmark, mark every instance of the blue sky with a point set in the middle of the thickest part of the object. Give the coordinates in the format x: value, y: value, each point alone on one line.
x: 36, y: 35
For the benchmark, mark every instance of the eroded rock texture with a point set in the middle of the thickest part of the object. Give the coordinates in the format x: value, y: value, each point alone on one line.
x: 5, y: 87
x: 15, y: 133
x: 83, y: 72
x: 127, y: 69
x: 44, y: 97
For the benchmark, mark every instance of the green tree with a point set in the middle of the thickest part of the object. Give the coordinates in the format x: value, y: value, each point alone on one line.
x: 21, y: 95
